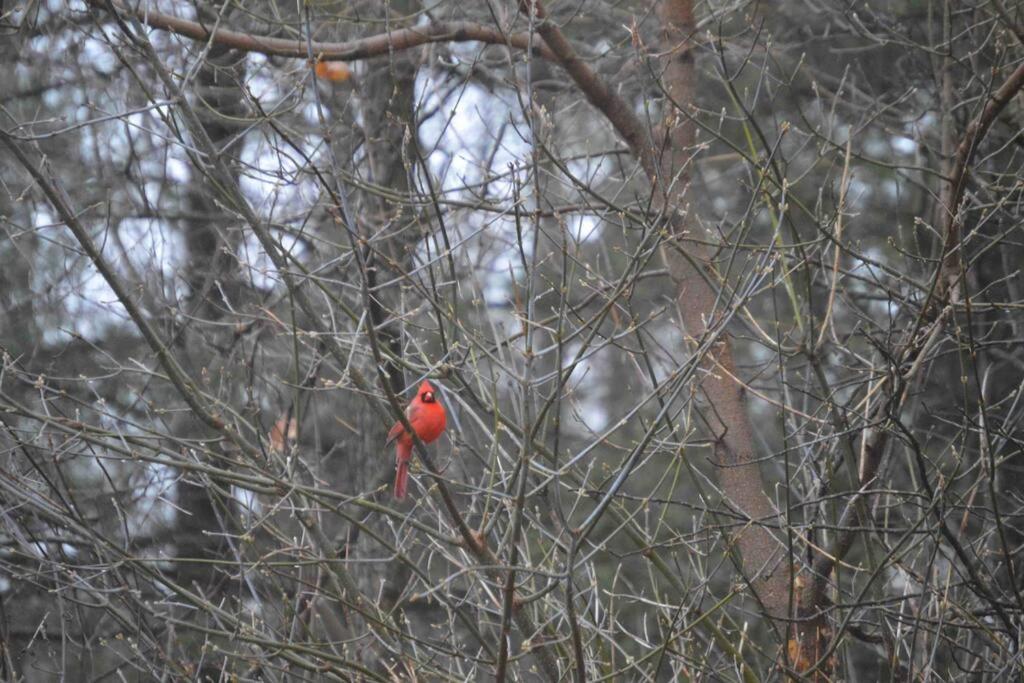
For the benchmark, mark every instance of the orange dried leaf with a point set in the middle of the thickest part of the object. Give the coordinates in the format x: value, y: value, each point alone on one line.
x: 336, y: 72
x: 280, y: 437
x: 798, y: 660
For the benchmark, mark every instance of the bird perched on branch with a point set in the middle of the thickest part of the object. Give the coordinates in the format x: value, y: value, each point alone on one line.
x: 427, y: 417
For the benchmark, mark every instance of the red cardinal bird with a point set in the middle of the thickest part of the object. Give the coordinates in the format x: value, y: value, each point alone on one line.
x: 428, y: 419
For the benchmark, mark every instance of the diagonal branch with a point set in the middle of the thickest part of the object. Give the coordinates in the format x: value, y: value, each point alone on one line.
x: 939, y: 305
x: 875, y: 438
x: 667, y: 167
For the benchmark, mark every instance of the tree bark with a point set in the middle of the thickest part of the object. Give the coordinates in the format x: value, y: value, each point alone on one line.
x: 725, y: 410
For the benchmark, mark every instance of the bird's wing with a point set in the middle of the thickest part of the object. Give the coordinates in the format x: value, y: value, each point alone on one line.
x: 396, y: 431
x: 411, y: 411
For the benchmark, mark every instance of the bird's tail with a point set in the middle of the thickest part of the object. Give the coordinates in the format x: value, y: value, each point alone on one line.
x: 404, y: 453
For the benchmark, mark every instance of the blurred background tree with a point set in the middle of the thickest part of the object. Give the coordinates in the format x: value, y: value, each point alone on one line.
x: 722, y: 297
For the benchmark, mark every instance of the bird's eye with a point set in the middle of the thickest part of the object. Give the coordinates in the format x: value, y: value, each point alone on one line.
x: 428, y: 396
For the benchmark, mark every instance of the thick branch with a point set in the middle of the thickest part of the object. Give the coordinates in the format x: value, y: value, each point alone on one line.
x: 362, y: 48
x: 593, y: 86
x: 965, y: 152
